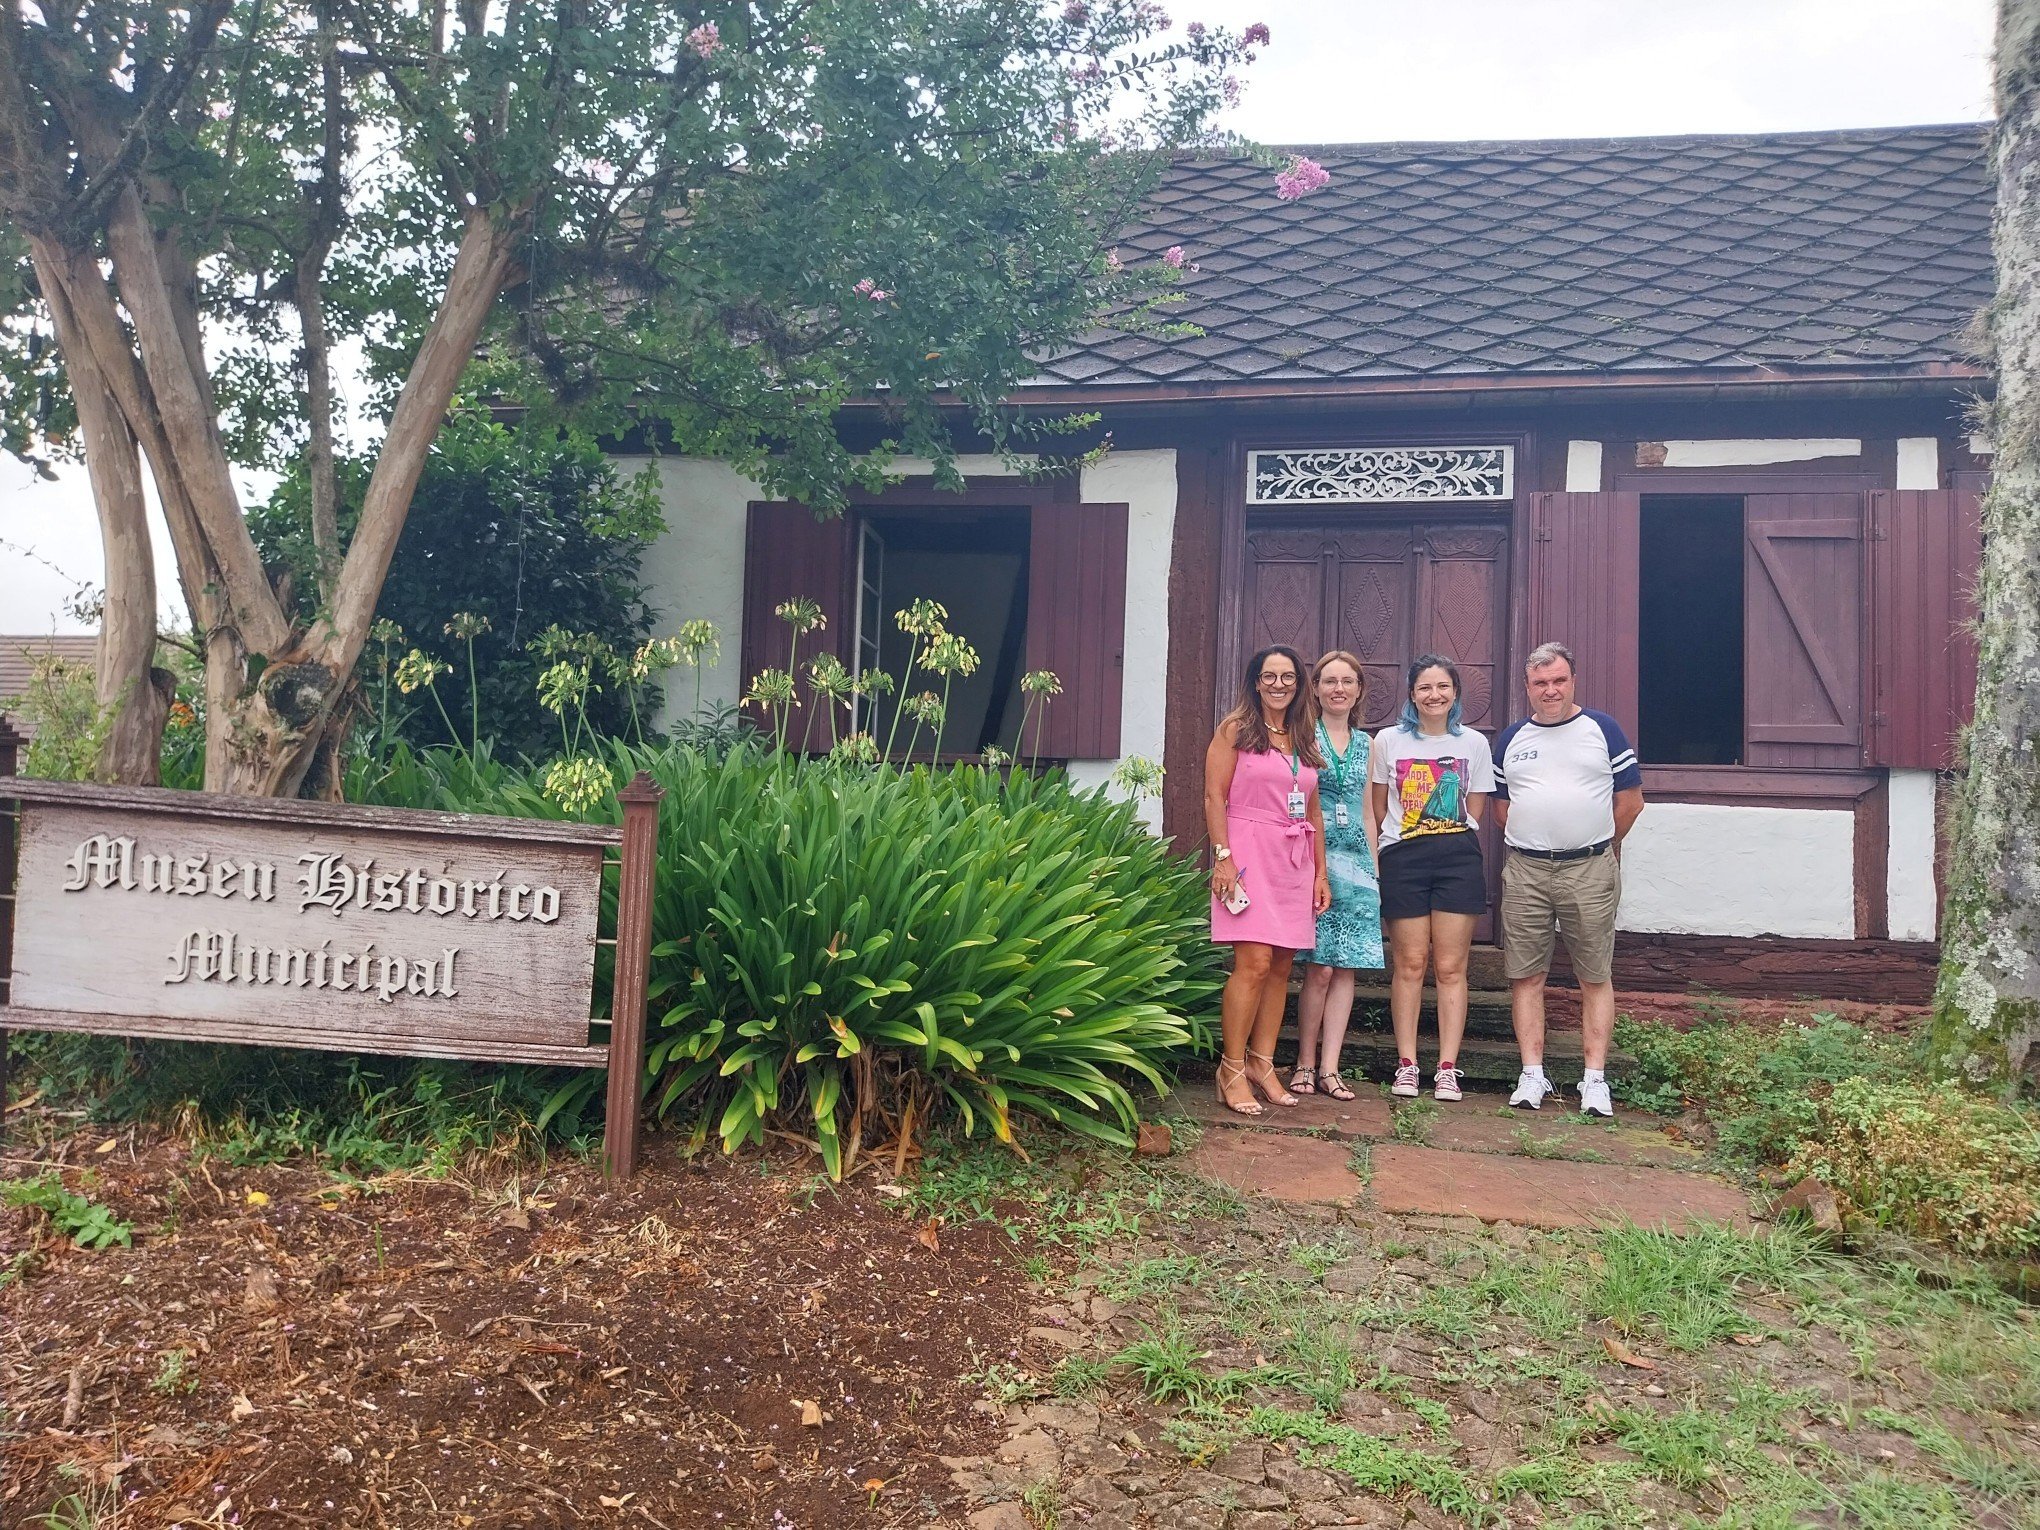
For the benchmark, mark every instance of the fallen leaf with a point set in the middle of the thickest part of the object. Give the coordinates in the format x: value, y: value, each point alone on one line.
x: 1617, y: 1350
x: 257, y: 1198
x: 516, y: 1217
x: 810, y: 1415
x: 1747, y: 1339
x: 613, y: 1503
x: 765, y: 1461
x: 892, y: 1192
x: 242, y: 1408
x: 107, y: 1146
x: 930, y: 1236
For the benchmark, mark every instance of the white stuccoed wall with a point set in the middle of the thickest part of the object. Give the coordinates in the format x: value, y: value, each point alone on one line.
x: 1700, y: 869
x: 1913, y: 910
x: 697, y: 569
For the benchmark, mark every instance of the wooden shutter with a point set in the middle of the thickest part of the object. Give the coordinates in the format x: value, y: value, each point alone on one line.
x: 1926, y: 549
x: 1584, y: 579
x: 1076, y: 625
x: 788, y: 554
x: 1803, y: 629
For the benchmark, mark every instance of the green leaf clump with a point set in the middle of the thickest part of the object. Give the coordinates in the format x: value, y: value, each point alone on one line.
x: 85, y: 1222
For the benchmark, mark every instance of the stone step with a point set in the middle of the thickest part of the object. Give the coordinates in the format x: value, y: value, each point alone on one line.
x: 1483, y: 1059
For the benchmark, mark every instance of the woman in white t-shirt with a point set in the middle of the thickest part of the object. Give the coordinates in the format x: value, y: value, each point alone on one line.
x: 1427, y: 782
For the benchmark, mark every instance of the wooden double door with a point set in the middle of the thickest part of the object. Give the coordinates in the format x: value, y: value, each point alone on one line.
x: 1386, y: 588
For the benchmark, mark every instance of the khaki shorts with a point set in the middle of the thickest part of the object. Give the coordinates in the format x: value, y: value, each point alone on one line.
x: 1575, y: 899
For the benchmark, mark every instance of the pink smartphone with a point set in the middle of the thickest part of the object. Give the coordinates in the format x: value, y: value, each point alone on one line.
x: 1237, y: 903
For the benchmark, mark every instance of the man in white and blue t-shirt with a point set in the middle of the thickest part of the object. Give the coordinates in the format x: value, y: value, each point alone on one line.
x: 1567, y: 788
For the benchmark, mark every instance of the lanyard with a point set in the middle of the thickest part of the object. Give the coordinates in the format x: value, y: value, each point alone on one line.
x: 1335, y: 762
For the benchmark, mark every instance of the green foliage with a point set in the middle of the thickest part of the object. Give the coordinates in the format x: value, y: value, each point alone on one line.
x: 523, y: 527
x: 61, y: 708
x: 254, y: 1105
x: 1375, y: 1465
x: 1956, y: 1169
x: 1685, y: 1284
x: 84, y: 1222
x: 1760, y: 1090
x: 175, y: 1375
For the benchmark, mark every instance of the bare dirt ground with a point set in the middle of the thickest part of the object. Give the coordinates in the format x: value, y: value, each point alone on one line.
x: 708, y: 1347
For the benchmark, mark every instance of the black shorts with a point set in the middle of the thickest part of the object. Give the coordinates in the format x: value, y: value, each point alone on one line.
x: 1433, y: 874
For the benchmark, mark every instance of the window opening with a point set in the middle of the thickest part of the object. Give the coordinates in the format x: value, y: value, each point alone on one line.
x: 1690, y: 644
x: 975, y: 563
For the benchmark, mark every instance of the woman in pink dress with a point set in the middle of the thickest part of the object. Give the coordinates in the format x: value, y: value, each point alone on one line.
x: 1268, y: 881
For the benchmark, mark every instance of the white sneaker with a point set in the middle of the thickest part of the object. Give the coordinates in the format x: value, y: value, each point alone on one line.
x: 1531, y: 1088
x: 1405, y: 1085
x: 1594, y: 1099
x: 1445, y: 1085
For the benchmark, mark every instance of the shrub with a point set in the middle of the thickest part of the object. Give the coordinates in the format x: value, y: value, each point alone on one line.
x: 856, y: 945
x: 1759, y: 1089
x: 1954, y: 1168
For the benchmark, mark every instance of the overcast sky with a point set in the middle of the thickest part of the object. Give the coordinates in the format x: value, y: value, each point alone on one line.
x: 1364, y: 71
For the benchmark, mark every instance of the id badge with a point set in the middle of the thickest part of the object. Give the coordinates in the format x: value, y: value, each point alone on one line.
x: 1339, y: 815
x: 1297, y: 803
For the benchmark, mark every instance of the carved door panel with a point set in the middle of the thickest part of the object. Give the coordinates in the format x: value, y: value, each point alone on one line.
x: 1285, y: 596
x: 1374, y: 613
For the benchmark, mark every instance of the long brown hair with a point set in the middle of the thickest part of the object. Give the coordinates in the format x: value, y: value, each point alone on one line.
x: 1342, y: 656
x: 1250, y: 734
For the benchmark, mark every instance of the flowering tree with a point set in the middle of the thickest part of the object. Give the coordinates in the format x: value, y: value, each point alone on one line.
x: 709, y: 221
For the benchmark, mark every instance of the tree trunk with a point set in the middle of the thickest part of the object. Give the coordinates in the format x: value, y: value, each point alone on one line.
x: 273, y: 730
x: 1987, y: 1006
x: 130, y: 690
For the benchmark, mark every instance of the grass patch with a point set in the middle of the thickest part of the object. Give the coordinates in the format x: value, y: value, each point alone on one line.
x: 1684, y: 1285
x: 1413, y: 1120
x: 1373, y: 1465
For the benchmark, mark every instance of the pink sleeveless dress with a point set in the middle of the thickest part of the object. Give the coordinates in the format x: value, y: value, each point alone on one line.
x: 1273, y: 853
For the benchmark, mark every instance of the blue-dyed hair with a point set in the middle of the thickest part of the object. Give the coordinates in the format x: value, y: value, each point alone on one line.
x: 1409, y: 722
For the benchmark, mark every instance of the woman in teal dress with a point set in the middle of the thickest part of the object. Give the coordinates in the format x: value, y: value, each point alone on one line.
x: 1349, y: 932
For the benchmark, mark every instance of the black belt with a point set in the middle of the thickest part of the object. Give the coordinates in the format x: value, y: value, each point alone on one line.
x: 1564, y: 855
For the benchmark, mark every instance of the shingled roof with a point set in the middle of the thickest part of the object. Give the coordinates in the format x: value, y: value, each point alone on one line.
x: 1862, y: 250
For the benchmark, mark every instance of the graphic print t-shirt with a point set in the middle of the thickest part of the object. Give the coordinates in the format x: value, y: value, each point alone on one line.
x: 1429, y: 781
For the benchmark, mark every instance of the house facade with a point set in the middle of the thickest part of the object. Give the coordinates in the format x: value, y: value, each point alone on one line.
x: 1699, y: 407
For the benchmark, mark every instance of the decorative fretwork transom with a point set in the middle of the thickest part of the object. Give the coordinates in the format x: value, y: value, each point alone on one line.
x: 1408, y: 475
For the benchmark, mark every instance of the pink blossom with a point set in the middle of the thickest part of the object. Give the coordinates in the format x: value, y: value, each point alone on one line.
x: 879, y: 294
x: 1173, y: 256
x: 865, y: 287
x: 598, y: 170
x: 1195, y: 31
x: 220, y: 111
x: 1230, y: 87
x: 1089, y: 74
x: 1113, y: 263
x: 705, y: 39
x: 1255, y: 34
x: 1303, y: 176
x: 1076, y: 13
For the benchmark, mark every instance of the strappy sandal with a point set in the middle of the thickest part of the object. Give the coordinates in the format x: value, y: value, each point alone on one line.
x: 1334, y: 1086
x: 1252, y: 1106
x: 1277, y: 1095
x: 1303, y: 1080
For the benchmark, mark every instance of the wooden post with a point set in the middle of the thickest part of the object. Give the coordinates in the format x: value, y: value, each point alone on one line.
x: 10, y: 756
x: 640, y: 801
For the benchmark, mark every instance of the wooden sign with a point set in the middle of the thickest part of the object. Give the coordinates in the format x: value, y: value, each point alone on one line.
x: 145, y: 912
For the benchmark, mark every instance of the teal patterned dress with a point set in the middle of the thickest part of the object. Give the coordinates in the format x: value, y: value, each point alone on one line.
x: 1349, y: 932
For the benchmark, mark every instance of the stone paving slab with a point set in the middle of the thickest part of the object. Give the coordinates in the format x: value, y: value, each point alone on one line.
x: 1549, y: 1193
x: 1279, y: 1166
x: 1485, y: 1124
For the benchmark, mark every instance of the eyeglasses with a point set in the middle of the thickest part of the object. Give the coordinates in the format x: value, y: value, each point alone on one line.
x: 1278, y: 682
